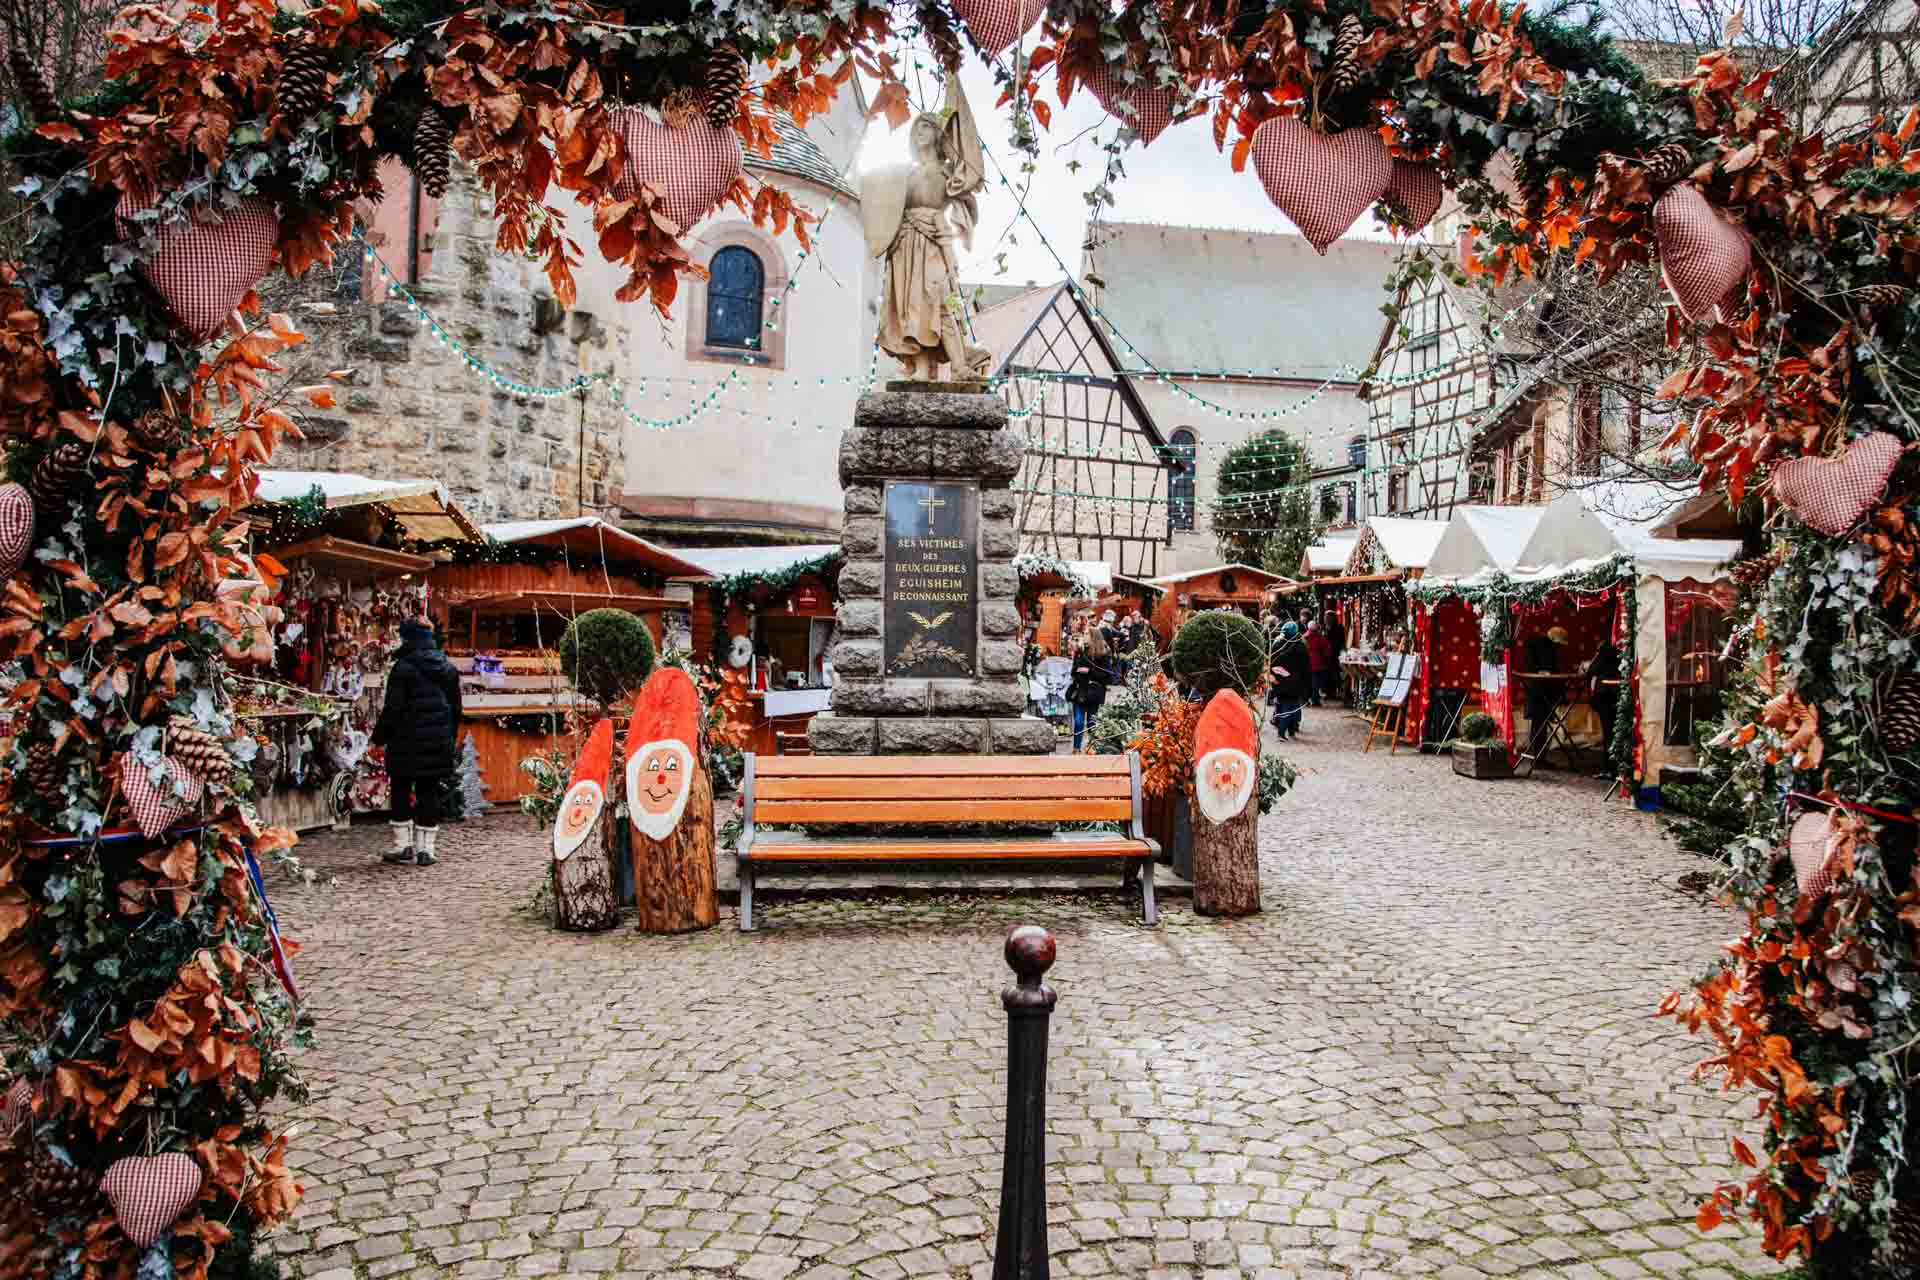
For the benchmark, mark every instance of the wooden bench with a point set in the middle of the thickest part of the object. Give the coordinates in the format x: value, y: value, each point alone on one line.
x: 788, y: 791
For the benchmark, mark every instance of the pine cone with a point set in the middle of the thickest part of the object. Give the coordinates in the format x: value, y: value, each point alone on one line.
x: 38, y: 100
x: 56, y: 1187
x: 44, y: 773
x: 1754, y: 571
x: 1347, y: 70
x: 303, y: 83
x: 157, y: 431
x: 1903, y: 1235
x: 1667, y: 163
x: 1900, y: 715
x: 201, y: 752
x: 726, y: 81
x: 431, y: 163
x: 1882, y: 297
x: 61, y: 470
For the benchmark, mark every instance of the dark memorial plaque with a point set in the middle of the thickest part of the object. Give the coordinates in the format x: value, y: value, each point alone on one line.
x: 932, y: 580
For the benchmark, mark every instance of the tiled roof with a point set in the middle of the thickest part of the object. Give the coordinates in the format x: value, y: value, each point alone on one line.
x: 796, y: 154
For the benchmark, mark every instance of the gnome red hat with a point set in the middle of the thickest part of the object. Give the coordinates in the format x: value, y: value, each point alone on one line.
x: 586, y: 793
x: 1223, y: 749
x: 660, y: 760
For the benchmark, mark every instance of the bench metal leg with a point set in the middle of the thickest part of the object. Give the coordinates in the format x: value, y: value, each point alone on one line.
x: 1148, y: 909
x: 746, y: 896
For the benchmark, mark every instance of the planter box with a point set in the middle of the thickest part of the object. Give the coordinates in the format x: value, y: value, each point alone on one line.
x: 1481, y: 762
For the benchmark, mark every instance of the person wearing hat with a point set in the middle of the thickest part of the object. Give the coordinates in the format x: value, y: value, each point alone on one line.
x: 417, y: 725
x: 1543, y: 696
x: 1291, y: 674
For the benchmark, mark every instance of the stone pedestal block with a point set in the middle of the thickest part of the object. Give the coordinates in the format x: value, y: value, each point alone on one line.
x: 977, y: 698
x: 924, y: 736
x: 859, y: 579
x: 881, y: 697
x: 1027, y: 736
x: 829, y: 734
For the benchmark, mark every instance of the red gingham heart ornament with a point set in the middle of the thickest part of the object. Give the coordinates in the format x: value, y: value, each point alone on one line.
x: 1832, y: 494
x: 1152, y: 105
x: 1415, y: 193
x: 1807, y: 846
x: 206, y: 265
x: 689, y: 168
x: 996, y: 24
x: 157, y: 806
x: 1323, y: 184
x: 16, y: 528
x: 1704, y: 256
x: 149, y: 1193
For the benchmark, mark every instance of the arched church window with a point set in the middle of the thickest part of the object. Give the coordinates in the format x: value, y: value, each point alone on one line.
x: 1181, y: 452
x: 735, y: 293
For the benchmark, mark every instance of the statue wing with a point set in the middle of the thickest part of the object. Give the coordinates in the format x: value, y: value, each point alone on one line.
x: 883, y: 201
x: 961, y: 152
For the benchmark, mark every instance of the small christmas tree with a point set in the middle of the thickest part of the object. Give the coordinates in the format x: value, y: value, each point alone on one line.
x: 469, y: 791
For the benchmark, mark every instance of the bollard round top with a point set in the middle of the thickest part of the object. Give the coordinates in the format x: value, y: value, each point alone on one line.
x: 1030, y: 951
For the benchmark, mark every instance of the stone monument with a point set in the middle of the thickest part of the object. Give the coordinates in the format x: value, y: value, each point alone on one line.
x: 928, y: 659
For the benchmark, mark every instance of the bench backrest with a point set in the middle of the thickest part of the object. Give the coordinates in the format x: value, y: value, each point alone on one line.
x: 794, y: 790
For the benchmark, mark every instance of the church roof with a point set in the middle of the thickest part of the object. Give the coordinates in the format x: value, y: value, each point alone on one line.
x: 1201, y: 299
x: 799, y: 156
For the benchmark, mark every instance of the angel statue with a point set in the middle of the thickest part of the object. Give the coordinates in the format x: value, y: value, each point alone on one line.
x: 913, y: 213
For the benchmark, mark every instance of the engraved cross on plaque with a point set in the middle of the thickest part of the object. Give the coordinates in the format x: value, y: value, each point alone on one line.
x: 930, y: 504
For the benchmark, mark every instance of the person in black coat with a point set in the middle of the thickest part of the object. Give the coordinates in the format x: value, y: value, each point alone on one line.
x: 417, y: 726
x: 1290, y: 673
x: 1092, y: 673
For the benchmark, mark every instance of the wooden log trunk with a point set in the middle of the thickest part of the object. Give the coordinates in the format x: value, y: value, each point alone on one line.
x: 673, y: 888
x: 584, y: 897
x: 1226, y: 863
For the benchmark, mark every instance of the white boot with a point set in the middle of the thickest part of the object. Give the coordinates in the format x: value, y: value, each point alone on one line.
x: 424, y: 838
x: 402, y: 850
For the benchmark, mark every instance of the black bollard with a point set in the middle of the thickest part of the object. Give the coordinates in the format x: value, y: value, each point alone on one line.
x: 1020, y: 1250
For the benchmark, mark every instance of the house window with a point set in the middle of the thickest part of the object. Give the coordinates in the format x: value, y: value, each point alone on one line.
x: 1396, y: 492
x: 1697, y: 626
x: 1357, y: 452
x: 1181, y: 452
x: 1587, y: 437
x: 734, y: 296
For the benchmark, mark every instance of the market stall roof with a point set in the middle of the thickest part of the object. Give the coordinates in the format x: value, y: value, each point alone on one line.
x: 1188, y: 575
x: 1636, y: 511
x: 1343, y: 580
x: 561, y: 601
x: 1442, y: 584
x: 354, y: 561
x: 1329, y: 555
x: 728, y: 562
x: 593, y: 539
x: 424, y: 509
x: 1479, y: 536
x: 1405, y: 543
x: 1121, y: 582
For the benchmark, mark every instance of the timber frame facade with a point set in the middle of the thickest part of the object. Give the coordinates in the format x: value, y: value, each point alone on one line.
x: 1096, y: 482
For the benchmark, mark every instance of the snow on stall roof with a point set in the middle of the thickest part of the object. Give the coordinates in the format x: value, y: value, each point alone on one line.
x: 1329, y: 555
x: 724, y: 562
x: 604, y: 535
x: 341, y: 488
x: 1408, y: 544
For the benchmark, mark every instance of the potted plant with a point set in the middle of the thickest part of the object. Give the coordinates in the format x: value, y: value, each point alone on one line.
x: 1478, y: 752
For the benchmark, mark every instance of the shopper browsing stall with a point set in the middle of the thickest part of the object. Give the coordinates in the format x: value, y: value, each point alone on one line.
x: 417, y: 726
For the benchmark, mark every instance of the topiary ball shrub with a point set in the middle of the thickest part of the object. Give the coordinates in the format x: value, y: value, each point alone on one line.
x: 1478, y: 728
x: 1220, y: 649
x: 607, y: 653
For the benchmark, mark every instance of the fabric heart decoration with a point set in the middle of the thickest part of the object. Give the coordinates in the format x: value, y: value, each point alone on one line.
x: 690, y: 168
x: 1415, y: 193
x: 1807, y: 846
x: 16, y: 527
x: 149, y: 1193
x: 1322, y: 183
x: 205, y: 266
x: 1831, y: 494
x: 158, y: 805
x: 1152, y: 105
x: 996, y: 24
x: 1705, y: 257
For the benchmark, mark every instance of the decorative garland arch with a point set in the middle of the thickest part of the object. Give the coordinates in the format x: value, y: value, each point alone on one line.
x: 231, y: 137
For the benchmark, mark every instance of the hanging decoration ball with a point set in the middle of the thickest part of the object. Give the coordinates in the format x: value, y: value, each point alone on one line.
x: 1832, y: 494
x: 689, y: 168
x: 1322, y: 183
x: 1415, y: 193
x: 16, y: 527
x: 726, y: 80
x: 432, y: 157
x: 1347, y: 67
x: 149, y: 1193
x: 1899, y: 719
x: 996, y: 24
x: 1667, y: 163
x: 1881, y: 297
x: 205, y: 265
x: 1705, y: 256
x: 61, y: 470
x: 31, y: 86
x: 302, y: 89
x: 1152, y: 105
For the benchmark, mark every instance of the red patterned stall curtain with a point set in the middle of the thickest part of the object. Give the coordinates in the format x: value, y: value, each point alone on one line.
x: 1422, y: 694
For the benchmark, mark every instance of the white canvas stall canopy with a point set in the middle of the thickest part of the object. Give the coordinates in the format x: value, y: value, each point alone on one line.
x: 1328, y: 557
x: 1484, y: 537
x: 422, y: 510
x: 1395, y: 542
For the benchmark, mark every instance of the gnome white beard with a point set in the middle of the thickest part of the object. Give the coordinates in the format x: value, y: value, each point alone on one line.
x: 585, y: 795
x: 1217, y: 803
x: 658, y: 826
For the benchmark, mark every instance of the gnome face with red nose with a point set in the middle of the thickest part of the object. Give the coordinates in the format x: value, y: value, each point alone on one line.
x: 586, y: 793
x: 1223, y: 756
x: 660, y: 759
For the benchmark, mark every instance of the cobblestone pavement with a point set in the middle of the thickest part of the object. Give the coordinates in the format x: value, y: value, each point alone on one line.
x: 1433, y: 1054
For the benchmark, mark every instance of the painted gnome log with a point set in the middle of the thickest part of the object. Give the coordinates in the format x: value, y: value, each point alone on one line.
x: 1226, y: 846
x: 584, y: 898
x: 670, y: 800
